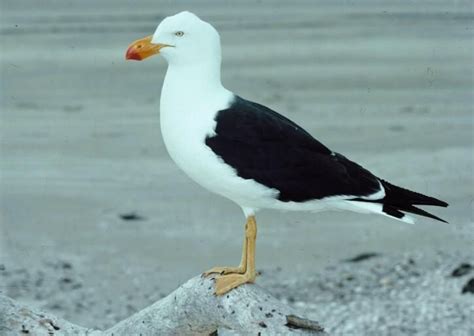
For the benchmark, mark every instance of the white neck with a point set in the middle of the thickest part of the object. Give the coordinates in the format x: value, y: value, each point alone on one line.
x: 192, y: 81
x: 191, y: 97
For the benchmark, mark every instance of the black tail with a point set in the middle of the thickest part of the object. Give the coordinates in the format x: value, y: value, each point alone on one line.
x: 399, y: 196
x: 399, y: 199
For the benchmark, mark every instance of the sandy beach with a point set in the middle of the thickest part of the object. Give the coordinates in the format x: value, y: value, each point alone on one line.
x: 85, y: 180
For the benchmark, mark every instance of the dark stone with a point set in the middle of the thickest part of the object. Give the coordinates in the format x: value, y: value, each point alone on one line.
x: 131, y: 216
x: 461, y: 270
x: 66, y: 265
x: 363, y: 256
x: 468, y: 287
x: 55, y: 327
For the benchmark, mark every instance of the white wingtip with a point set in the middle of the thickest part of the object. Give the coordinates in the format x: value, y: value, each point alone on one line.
x: 407, y: 219
x: 369, y: 207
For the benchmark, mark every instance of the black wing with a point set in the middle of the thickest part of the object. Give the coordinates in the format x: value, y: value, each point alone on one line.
x: 265, y: 146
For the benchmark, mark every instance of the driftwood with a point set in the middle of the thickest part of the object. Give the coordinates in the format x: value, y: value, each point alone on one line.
x: 192, y: 309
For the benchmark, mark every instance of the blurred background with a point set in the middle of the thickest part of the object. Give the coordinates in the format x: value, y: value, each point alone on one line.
x: 95, y: 217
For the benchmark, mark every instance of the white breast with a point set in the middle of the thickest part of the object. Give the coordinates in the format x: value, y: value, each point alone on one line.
x: 187, y: 116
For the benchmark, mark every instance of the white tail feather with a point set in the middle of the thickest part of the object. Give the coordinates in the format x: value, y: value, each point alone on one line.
x: 370, y: 207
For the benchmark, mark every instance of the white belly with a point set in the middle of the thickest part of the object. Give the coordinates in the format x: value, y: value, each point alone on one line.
x: 184, y: 129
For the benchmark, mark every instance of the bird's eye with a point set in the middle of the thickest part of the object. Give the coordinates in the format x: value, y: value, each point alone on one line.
x: 179, y: 33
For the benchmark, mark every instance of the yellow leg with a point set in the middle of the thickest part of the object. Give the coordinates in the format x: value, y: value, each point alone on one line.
x: 228, y: 270
x: 232, y: 277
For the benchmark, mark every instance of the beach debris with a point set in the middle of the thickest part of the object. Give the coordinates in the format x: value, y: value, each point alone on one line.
x: 362, y: 257
x: 131, y: 216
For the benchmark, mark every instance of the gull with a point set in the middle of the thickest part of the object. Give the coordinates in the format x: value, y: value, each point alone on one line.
x: 249, y: 153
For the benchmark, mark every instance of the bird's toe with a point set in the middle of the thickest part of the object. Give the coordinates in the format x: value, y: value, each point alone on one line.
x: 225, y: 283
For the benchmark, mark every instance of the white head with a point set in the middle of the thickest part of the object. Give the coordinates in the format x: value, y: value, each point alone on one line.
x: 182, y: 39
